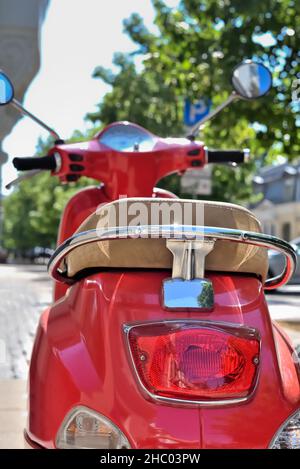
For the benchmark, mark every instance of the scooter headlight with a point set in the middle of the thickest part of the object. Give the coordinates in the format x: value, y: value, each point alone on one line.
x: 288, y: 436
x: 84, y: 428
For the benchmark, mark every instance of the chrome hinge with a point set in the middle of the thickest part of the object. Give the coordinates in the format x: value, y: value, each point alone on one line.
x: 188, y: 289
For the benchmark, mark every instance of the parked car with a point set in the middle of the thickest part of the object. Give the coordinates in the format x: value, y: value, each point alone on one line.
x: 39, y: 255
x: 3, y: 256
x: 276, y: 263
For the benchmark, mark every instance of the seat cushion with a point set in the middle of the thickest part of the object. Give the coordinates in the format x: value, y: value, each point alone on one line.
x: 152, y: 253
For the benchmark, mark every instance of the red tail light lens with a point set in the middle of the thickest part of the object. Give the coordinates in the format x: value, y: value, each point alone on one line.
x: 192, y: 361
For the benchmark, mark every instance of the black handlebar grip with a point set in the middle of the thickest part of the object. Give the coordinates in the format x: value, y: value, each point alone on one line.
x: 27, y: 164
x: 227, y: 156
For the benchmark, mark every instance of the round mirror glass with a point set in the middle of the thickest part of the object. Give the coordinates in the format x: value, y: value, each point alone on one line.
x: 251, y: 80
x: 6, y: 89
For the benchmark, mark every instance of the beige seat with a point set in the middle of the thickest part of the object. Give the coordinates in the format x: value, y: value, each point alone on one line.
x: 152, y: 253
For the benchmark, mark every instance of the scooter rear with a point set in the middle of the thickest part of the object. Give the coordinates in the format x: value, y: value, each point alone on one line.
x: 102, y: 392
x: 162, y: 357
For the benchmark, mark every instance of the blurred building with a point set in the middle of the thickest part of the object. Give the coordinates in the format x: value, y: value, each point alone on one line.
x: 20, y: 22
x: 279, y: 210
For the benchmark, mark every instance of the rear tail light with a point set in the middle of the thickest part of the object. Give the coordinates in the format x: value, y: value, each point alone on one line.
x: 195, y: 361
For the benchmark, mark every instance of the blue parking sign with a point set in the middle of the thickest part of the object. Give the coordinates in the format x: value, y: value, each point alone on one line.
x: 195, y: 111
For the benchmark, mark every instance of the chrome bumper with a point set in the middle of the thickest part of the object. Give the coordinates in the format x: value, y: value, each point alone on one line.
x: 179, y: 232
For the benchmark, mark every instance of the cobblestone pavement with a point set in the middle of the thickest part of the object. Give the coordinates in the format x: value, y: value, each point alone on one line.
x: 26, y: 290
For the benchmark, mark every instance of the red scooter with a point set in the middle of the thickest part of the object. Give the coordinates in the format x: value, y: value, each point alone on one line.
x: 159, y: 335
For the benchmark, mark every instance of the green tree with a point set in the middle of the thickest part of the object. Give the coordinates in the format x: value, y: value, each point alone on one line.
x: 144, y: 98
x: 192, y: 55
x: 32, y: 212
x: 206, y: 297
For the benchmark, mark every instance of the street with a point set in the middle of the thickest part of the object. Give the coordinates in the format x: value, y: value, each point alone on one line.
x: 25, y: 291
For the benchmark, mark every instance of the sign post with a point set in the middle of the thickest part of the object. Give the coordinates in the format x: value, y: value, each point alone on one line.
x: 197, y: 182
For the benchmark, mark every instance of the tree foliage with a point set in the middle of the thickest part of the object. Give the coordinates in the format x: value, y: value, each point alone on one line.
x: 144, y: 98
x: 190, y: 54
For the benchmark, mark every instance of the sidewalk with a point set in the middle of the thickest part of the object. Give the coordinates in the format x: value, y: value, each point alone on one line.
x: 12, y: 413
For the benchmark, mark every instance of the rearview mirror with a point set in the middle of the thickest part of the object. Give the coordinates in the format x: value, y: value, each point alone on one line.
x: 6, y: 90
x: 251, y: 80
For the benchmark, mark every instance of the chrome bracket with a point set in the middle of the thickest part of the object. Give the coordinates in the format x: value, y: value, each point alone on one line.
x: 189, y: 257
x: 188, y: 289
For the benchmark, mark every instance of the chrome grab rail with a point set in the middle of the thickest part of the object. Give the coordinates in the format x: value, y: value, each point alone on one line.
x: 176, y: 232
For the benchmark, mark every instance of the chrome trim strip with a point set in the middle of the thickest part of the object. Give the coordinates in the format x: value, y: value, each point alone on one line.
x: 205, y: 148
x: 179, y: 232
x: 202, y: 323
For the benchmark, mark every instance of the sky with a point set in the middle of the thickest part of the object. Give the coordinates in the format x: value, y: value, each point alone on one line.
x: 76, y: 36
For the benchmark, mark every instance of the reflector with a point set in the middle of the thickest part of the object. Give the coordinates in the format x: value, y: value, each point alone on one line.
x: 85, y: 428
x: 195, y: 360
x: 288, y: 436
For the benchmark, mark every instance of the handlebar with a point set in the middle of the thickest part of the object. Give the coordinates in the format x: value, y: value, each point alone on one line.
x: 71, y: 162
x: 227, y: 156
x: 27, y: 164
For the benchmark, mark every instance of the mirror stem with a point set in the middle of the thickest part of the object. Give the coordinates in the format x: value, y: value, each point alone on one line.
x: 24, y: 111
x: 27, y: 175
x: 232, y: 97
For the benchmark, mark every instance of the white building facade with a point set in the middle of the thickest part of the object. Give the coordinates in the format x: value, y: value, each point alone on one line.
x: 279, y: 211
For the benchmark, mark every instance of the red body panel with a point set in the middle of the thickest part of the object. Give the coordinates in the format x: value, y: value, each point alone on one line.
x: 88, y: 200
x: 80, y: 357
